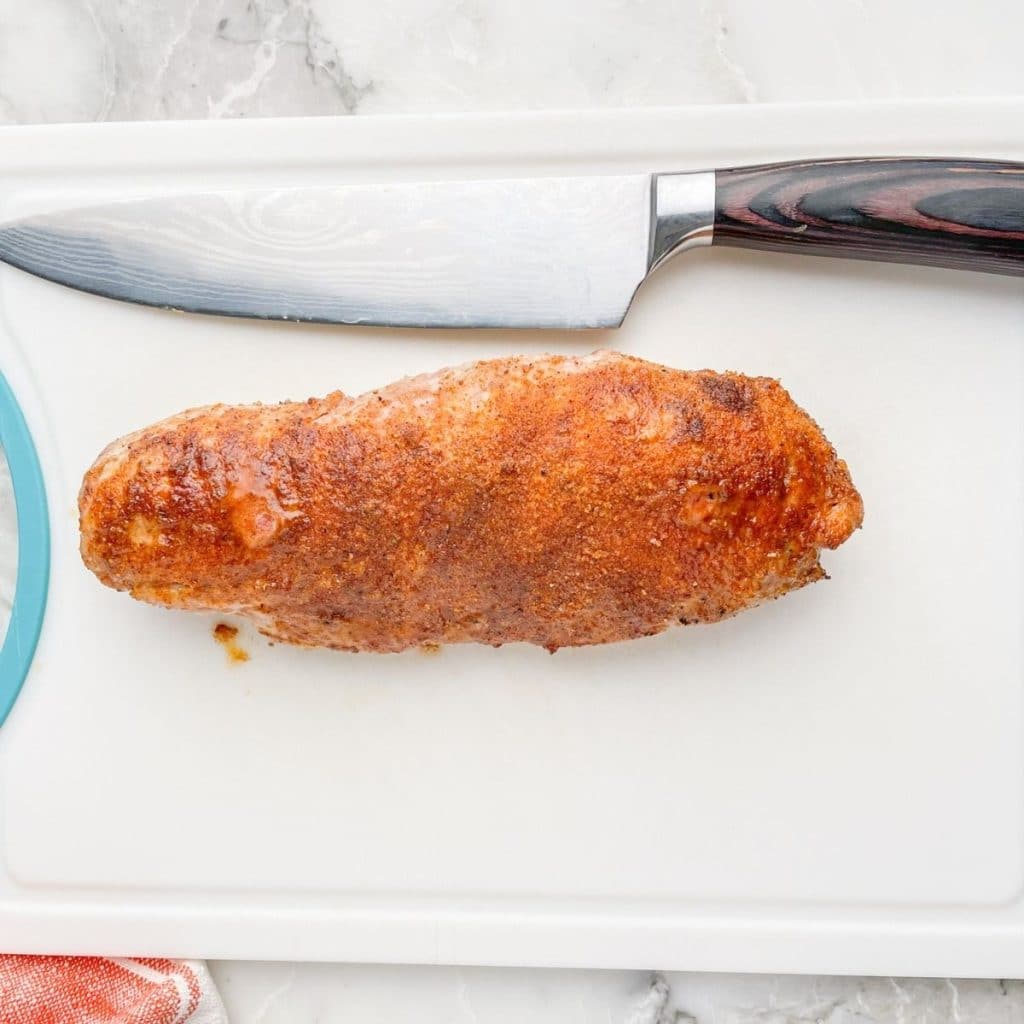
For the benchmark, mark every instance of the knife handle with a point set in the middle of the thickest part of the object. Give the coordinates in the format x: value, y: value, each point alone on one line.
x: 964, y: 214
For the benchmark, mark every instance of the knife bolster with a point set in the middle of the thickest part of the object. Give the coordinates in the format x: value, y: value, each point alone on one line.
x: 682, y: 214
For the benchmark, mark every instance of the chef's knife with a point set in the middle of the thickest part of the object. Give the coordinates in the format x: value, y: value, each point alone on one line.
x: 528, y: 252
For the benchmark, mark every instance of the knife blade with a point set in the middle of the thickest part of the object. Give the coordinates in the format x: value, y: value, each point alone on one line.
x: 527, y: 252
x: 547, y: 252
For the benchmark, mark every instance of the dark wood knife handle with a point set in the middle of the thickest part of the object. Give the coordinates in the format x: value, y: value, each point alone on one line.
x: 967, y: 214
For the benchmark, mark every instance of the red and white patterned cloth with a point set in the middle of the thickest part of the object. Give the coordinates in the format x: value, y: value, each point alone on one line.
x: 97, y: 990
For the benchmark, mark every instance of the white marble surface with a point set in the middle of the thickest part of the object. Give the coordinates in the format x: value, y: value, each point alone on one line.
x: 81, y: 60
x: 71, y: 60
x: 330, y: 994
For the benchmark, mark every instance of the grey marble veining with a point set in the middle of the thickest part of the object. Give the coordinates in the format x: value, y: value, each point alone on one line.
x: 83, y: 60
x: 331, y: 994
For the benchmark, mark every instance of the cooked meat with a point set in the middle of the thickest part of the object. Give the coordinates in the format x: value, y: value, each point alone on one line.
x: 554, y: 500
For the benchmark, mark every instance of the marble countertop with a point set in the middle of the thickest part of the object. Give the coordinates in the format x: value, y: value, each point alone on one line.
x: 83, y: 60
x: 70, y: 60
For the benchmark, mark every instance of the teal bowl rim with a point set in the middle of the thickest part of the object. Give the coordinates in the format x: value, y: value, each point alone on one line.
x: 33, y: 578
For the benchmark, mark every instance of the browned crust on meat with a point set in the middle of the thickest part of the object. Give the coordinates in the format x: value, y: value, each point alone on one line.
x: 554, y: 500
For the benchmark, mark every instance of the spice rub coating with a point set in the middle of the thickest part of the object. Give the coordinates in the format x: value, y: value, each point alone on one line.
x: 554, y: 500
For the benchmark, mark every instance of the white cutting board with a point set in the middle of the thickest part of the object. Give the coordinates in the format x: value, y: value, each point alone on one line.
x: 832, y: 783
